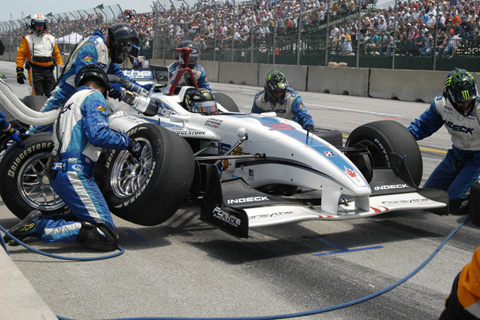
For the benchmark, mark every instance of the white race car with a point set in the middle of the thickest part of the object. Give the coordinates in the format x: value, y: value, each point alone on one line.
x: 248, y: 170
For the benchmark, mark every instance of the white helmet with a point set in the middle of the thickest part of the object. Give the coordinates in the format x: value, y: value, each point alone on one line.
x: 38, y: 20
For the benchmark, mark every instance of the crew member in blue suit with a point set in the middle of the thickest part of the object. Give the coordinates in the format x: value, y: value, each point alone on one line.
x: 80, y: 133
x: 458, y: 110
x: 278, y: 97
x: 7, y: 129
x: 104, y: 51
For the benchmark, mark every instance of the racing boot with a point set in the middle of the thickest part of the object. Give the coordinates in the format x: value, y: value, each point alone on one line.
x: 32, y: 225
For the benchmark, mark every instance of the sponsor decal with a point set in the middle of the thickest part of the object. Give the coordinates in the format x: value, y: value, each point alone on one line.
x: 391, y: 187
x: 301, y: 106
x: 88, y: 59
x: 271, y: 215
x: 138, y: 74
x: 458, y: 128
x: 189, y: 132
x: 219, y: 214
x: 278, y: 126
x: 166, y: 111
x: 330, y: 153
x: 78, y: 167
x: 406, y: 201
x: 249, y: 199
x: 102, y: 65
x: 223, y: 147
x: 57, y: 166
x: 350, y: 172
x: 251, y: 175
x: 18, y: 161
x: 101, y: 108
x: 214, y: 123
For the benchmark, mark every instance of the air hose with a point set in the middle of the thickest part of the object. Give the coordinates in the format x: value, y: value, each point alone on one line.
x: 121, y: 250
x: 318, y: 311
x: 21, y: 112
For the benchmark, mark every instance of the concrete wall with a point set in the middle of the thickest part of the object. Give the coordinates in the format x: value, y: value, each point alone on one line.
x: 339, y: 80
x: 238, y: 73
x: 296, y: 75
x: 405, y: 85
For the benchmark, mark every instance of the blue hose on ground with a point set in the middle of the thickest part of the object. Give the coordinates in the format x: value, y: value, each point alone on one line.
x: 121, y: 250
x: 312, y: 312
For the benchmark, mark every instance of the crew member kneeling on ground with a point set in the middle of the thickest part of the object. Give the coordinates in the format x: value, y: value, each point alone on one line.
x: 80, y: 133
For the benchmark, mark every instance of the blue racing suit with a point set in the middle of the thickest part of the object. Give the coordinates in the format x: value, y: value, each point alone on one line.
x: 3, y: 122
x: 461, y: 166
x: 84, y: 130
x: 290, y: 108
x: 198, y: 71
x: 90, y: 50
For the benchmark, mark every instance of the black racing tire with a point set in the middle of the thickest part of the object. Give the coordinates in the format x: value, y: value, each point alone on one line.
x: 149, y: 191
x: 226, y: 102
x: 474, y: 203
x: 382, y: 138
x: 334, y: 137
x: 24, y: 186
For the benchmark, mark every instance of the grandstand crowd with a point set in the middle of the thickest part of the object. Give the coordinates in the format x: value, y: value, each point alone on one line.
x: 214, y: 25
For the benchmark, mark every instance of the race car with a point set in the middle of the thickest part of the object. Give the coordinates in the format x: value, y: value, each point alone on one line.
x: 247, y: 170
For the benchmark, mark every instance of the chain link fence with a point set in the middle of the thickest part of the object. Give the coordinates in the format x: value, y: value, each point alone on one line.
x: 67, y: 25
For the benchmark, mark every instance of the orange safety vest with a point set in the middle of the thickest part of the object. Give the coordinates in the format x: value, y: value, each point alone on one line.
x: 468, y: 291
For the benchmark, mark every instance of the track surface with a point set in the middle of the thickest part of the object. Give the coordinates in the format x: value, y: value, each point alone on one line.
x: 186, y: 268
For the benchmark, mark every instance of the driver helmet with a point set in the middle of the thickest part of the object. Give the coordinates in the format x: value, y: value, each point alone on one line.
x: 276, y: 86
x: 201, y: 101
x: 123, y: 39
x: 192, y: 62
x: 94, y: 73
x: 460, y: 86
x: 38, y: 20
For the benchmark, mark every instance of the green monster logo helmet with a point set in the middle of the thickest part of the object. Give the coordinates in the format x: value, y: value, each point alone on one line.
x: 276, y: 82
x: 460, y: 86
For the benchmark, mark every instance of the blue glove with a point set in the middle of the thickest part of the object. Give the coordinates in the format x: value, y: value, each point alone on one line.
x: 147, y: 86
x: 115, y: 91
x: 15, y: 135
x: 136, y: 149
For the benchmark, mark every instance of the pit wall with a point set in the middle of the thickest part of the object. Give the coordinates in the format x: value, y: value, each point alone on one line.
x: 404, y: 85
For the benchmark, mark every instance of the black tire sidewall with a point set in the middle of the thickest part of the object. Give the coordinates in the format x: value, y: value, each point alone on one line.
x: 168, y: 182
x: 226, y: 102
x: 10, y: 166
x: 391, y: 137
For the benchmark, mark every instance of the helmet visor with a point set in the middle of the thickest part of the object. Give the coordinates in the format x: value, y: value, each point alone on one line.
x: 206, y: 107
x: 133, y: 49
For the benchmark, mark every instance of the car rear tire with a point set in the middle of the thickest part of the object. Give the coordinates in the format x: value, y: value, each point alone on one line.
x: 149, y: 191
x: 382, y: 138
x: 334, y: 137
x: 226, y: 102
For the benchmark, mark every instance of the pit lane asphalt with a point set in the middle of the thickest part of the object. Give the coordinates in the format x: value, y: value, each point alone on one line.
x: 186, y: 268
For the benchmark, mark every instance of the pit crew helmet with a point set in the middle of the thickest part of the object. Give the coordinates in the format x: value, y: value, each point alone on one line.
x: 192, y: 62
x: 38, y: 20
x: 201, y: 101
x: 94, y: 73
x: 276, y: 86
x: 460, y: 86
x: 124, y: 41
